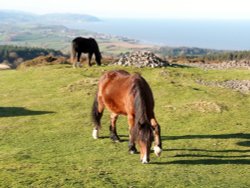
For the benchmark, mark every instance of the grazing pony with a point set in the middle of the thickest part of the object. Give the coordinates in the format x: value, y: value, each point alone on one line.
x: 125, y: 94
x: 85, y: 45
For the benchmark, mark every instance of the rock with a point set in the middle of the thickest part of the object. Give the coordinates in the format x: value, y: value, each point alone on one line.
x: 141, y: 59
x: 242, y: 86
x: 4, y: 67
x: 241, y: 64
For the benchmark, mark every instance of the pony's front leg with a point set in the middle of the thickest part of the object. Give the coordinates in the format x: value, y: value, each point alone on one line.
x: 77, y: 63
x: 90, y: 57
x: 74, y: 62
x: 97, y: 111
x: 112, y: 128
x: 131, y: 144
x: 157, y: 137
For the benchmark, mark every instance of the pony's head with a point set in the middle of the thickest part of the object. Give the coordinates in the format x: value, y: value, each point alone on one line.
x: 145, y: 139
x: 98, y: 58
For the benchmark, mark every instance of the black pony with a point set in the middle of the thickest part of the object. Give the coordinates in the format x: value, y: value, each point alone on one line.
x: 85, y: 45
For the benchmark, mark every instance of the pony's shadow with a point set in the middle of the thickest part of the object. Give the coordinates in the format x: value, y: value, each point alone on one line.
x: 179, y: 65
x: 205, y: 162
x: 123, y: 138
x: 206, y: 159
x: 209, y: 159
x: 219, y: 136
x: 244, y: 143
x: 20, y: 111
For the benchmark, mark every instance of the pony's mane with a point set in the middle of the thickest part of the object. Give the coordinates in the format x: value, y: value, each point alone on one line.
x: 140, y: 98
x: 142, y: 125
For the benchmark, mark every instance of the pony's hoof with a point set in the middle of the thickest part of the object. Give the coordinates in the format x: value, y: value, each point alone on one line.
x: 115, y: 138
x: 157, y: 151
x: 145, y: 160
x: 117, y: 141
x: 95, y: 134
x: 132, y: 152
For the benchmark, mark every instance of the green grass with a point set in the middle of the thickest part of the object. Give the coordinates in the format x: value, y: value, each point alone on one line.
x: 45, y: 131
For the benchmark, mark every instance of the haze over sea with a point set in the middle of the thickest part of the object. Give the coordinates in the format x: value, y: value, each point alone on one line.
x: 212, y: 34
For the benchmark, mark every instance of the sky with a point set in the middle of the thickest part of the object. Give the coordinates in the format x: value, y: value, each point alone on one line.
x: 164, y: 9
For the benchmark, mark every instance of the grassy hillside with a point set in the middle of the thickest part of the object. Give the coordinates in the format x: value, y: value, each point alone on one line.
x: 45, y: 131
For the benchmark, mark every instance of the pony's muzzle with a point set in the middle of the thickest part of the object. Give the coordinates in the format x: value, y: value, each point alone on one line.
x: 157, y: 151
x: 95, y: 134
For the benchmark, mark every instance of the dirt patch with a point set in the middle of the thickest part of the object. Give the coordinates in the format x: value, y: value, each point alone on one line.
x: 205, y: 106
x: 84, y: 85
x: 198, y: 106
x: 129, y: 45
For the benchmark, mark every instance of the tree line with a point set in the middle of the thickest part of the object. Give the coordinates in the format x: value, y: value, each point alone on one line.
x: 205, y: 54
x: 14, y: 55
x: 228, y: 56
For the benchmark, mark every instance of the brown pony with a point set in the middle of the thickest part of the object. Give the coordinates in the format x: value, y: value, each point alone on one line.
x: 130, y: 95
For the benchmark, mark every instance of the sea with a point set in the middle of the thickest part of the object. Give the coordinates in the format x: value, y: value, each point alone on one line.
x: 209, y: 34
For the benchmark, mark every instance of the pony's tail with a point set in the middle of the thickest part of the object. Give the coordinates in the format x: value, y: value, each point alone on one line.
x: 96, y: 115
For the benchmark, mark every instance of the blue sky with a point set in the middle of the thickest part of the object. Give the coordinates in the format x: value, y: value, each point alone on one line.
x: 173, y: 9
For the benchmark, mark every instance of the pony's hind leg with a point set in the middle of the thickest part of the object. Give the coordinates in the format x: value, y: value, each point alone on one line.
x: 157, y: 137
x: 131, y: 145
x: 73, y: 56
x: 97, y: 111
x: 90, y: 57
x: 112, y: 128
x: 77, y: 64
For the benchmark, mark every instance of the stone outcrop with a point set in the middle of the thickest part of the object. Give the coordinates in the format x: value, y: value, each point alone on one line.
x: 141, y: 59
x: 242, y: 86
x: 241, y: 64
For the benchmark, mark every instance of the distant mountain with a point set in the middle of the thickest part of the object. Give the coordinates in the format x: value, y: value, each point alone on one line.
x: 16, y: 17
x: 7, y: 16
x: 69, y: 17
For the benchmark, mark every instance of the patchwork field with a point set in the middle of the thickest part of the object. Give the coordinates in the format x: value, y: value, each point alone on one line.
x: 45, y: 130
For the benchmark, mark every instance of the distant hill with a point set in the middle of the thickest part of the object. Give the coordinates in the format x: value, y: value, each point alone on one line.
x: 68, y: 17
x: 9, y: 16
